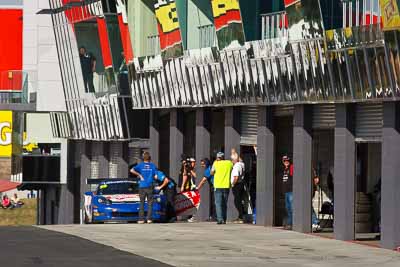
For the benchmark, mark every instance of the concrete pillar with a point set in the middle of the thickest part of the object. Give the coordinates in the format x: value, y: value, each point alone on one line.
x: 101, y: 150
x: 203, y: 151
x: 42, y: 206
x: 123, y: 161
x: 154, y: 137
x: 390, y: 215
x: 265, y: 167
x: 232, y: 140
x: 85, y: 172
x: 66, y: 204
x: 118, y: 159
x: 302, y: 160
x: 344, y: 172
x: 175, y: 142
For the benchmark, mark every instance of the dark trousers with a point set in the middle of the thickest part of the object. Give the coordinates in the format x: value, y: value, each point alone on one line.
x: 221, y: 203
x: 170, y: 195
x: 88, y: 81
x: 239, y: 192
x: 146, y: 193
x: 213, y: 214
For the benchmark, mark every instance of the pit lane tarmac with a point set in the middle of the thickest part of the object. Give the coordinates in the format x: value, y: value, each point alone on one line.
x: 32, y: 246
x: 209, y: 245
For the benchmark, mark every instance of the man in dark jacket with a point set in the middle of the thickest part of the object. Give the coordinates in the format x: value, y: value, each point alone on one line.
x: 88, y: 64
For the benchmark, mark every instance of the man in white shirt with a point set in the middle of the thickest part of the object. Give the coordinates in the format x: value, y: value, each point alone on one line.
x: 238, y: 186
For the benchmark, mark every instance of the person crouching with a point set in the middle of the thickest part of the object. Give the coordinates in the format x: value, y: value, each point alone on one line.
x: 168, y: 185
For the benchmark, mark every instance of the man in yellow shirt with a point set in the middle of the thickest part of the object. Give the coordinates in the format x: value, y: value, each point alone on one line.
x: 221, y: 170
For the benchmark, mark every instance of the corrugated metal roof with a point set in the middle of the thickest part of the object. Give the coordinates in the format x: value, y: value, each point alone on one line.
x: 6, y: 185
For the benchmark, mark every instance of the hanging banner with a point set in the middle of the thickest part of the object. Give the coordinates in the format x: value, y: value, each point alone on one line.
x: 80, y: 12
x: 124, y: 30
x: 390, y: 14
x: 168, y: 29
x: 291, y: 2
x: 104, y: 42
x: 228, y: 23
x: 11, y: 75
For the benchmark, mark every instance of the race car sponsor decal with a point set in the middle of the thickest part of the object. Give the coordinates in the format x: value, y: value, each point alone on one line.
x: 88, y: 207
x: 187, y: 203
x: 123, y: 198
x: 168, y: 28
x: 119, y: 182
x: 228, y: 22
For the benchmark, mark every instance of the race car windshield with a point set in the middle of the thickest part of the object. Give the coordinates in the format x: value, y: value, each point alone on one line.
x: 118, y: 189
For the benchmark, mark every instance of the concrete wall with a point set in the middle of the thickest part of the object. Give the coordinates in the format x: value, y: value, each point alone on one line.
x: 199, y: 13
x: 40, y: 57
x: 142, y: 23
x: 38, y: 128
x: 5, y: 168
x: 374, y: 166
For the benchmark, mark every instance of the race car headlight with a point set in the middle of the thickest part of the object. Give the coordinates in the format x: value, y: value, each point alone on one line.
x: 104, y: 201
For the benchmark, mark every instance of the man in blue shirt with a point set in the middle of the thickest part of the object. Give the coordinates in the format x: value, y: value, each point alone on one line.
x: 146, y: 171
x: 168, y: 185
x: 207, y: 177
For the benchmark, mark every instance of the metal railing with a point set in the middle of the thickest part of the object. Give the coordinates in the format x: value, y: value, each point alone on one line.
x: 208, y: 37
x: 274, y: 25
x: 360, y: 12
x: 153, y: 45
x: 105, y: 82
x: 13, y: 87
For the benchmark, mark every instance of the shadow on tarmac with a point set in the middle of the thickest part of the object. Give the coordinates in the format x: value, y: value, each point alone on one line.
x: 31, y: 246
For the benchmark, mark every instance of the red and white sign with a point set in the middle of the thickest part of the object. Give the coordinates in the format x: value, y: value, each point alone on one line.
x: 104, y: 42
x: 124, y: 30
x: 187, y: 203
x: 123, y: 198
x: 11, y: 77
x: 291, y: 2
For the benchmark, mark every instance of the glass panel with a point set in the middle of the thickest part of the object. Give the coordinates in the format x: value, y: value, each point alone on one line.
x: 299, y: 73
x: 283, y: 78
x: 392, y: 41
x: 375, y: 73
x: 355, y: 75
x: 203, y: 84
x: 258, y: 78
x: 228, y: 83
x: 384, y: 72
x: 270, y: 81
x: 292, y: 88
x: 276, y: 80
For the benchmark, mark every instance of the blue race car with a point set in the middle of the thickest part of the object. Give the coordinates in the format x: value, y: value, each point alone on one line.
x: 117, y: 200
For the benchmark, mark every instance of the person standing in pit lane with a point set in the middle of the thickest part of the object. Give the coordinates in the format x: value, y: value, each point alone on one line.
x: 146, y: 171
x: 168, y: 185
